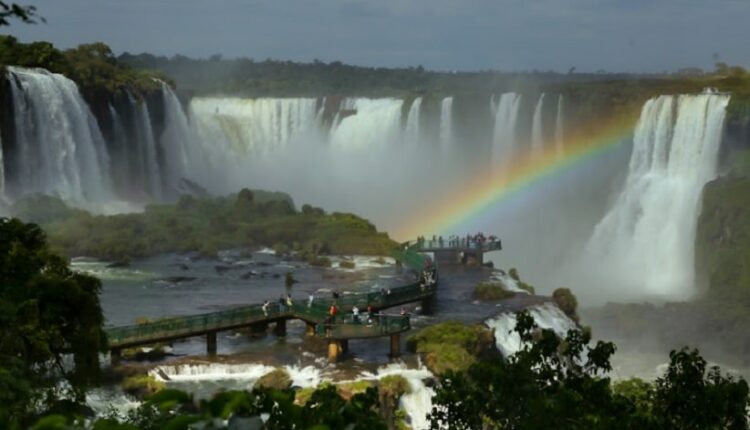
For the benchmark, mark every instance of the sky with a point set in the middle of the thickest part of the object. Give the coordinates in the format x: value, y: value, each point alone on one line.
x: 507, y: 35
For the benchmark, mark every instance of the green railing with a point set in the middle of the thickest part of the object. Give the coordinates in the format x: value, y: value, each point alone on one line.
x: 361, y: 326
x: 316, y: 313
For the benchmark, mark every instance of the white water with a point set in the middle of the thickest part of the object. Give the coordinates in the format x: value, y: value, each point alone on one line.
x: 376, y: 124
x: 560, y: 127
x: 537, y: 132
x: 505, y: 145
x: 412, y: 121
x: 645, y: 244
x: 547, y: 316
x: 418, y: 403
x: 177, y: 142
x: 60, y: 149
x: 509, y: 284
x: 147, y: 148
x: 446, y: 123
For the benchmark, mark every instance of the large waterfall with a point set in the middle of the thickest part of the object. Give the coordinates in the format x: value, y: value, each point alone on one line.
x: 446, y: 123
x: 58, y: 149
x: 645, y: 244
x: 412, y: 121
x: 505, y: 146
x: 537, y: 132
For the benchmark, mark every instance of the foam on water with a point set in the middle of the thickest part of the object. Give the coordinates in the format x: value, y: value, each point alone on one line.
x: 547, y: 316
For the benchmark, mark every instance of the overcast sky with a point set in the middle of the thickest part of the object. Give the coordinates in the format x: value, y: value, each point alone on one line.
x: 615, y: 35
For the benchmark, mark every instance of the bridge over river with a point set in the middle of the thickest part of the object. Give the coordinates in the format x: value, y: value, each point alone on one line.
x: 337, y: 330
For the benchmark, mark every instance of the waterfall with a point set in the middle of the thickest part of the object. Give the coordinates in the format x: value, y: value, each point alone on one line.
x: 411, y: 133
x: 560, y: 128
x: 645, y: 244
x: 446, y: 122
x: 59, y: 147
x: 148, y: 154
x: 376, y: 123
x: 504, y: 146
x: 181, y: 154
x: 418, y: 403
x: 537, y: 131
x: 255, y: 125
x: 546, y: 316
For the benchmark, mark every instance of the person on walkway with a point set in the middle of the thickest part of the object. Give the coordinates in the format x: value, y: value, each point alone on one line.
x: 310, y: 299
x: 332, y: 312
x: 355, y: 314
x: 289, y: 301
x: 282, y: 304
x: 265, y: 306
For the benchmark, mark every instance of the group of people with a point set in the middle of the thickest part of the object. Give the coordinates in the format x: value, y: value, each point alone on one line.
x: 455, y: 241
x: 285, y: 303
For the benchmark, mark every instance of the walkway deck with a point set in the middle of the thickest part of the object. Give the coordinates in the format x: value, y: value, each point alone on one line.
x: 246, y: 316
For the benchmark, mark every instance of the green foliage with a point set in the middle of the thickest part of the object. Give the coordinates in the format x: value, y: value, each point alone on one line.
x: 10, y: 11
x: 92, y: 66
x: 492, y: 291
x: 450, y: 345
x: 567, y: 302
x: 723, y: 237
x: 208, y: 225
x: 560, y: 383
x: 347, y: 264
x: 277, y: 379
x: 142, y: 385
x: 46, y: 311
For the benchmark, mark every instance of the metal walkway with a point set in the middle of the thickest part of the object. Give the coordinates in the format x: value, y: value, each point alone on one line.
x: 316, y: 315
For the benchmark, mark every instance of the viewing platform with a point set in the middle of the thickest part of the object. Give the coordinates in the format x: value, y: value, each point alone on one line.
x: 458, y: 250
x: 316, y: 316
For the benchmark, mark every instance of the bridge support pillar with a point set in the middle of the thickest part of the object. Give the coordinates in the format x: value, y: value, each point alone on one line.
x: 280, y: 329
x: 115, y: 355
x: 428, y: 304
x: 395, y: 345
x: 334, y: 350
x: 211, y: 343
x: 310, y: 329
x: 259, y: 329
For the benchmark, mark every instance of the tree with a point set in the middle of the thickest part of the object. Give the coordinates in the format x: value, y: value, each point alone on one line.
x: 10, y: 11
x: 47, y: 311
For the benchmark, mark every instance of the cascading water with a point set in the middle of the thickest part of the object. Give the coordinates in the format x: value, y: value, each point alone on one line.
x: 560, y: 128
x: 645, y: 244
x: 537, y: 132
x: 59, y: 147
x: 376, y: 123
x: 546, y: 316
x: 181, y: 153
x: 254, y: 125
x: 411, y: 134
x: 446, y: 123
x: 148, y: 153
x: 504, y: 146
x: 417, y: 403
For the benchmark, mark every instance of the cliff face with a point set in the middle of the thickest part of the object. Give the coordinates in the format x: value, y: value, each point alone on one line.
x: 723, y: 235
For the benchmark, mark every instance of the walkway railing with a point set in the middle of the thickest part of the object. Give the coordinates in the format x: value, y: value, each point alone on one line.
x: 363, y: 326
x: 178, y: 327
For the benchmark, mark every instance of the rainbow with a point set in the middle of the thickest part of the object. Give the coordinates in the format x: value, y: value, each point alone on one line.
x: 481, y: 192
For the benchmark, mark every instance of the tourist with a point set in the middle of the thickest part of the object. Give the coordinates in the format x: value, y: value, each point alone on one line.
x: 289, y: 301
x: 310, y: 300
x: 355, y: 314
x: 282, y: 304
x: 332, y: 312
x: 265, y: 307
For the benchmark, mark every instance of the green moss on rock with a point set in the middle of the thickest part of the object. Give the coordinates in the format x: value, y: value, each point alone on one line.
x: 450, y: 345
x: 492, y: 291
x: 277, y: 379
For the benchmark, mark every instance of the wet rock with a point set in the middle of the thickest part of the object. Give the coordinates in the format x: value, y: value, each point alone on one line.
x: 178, y: 279
x: 249, y: 275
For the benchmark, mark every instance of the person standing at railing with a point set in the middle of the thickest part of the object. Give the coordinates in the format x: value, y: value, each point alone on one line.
x: 289, y: 302
x: 265, y: 306
x: 332, y: 312
x: 355, y: 314
x: 282, y: 304
x: 310, y: 299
